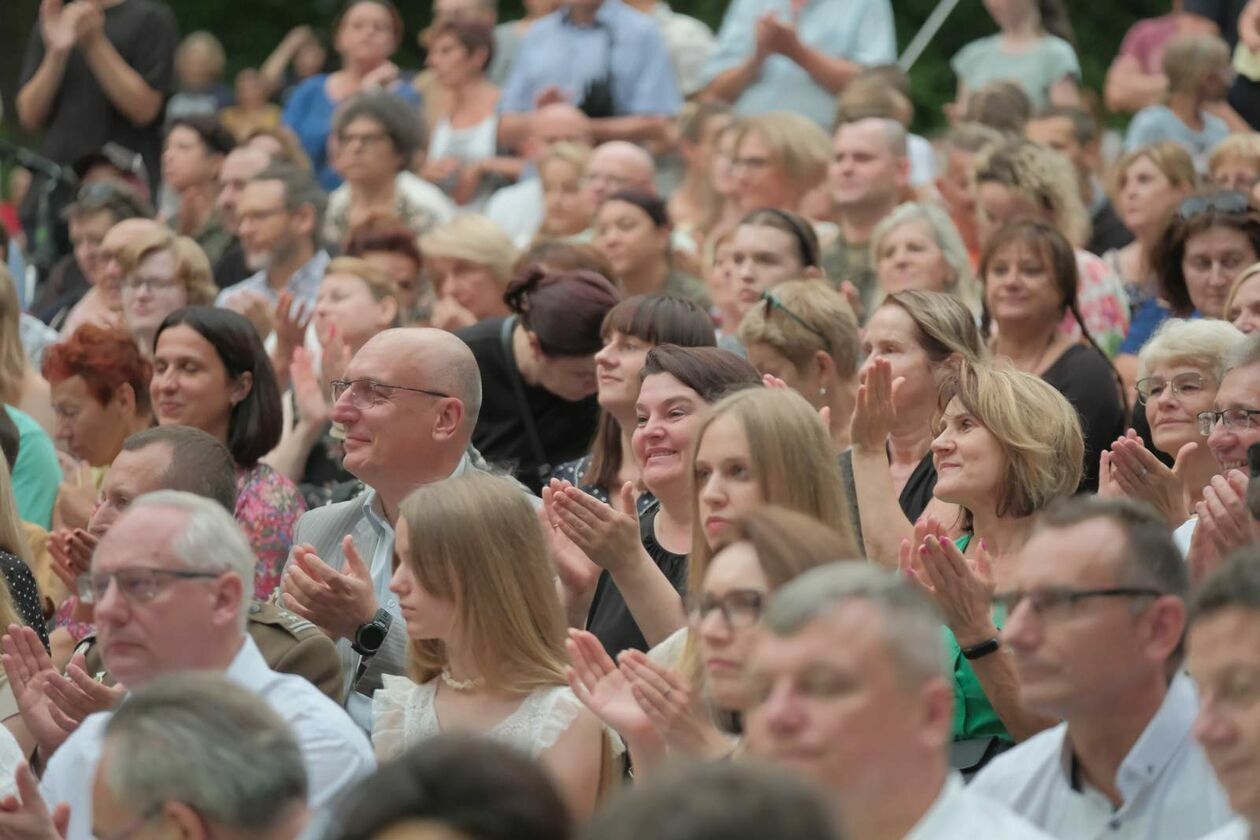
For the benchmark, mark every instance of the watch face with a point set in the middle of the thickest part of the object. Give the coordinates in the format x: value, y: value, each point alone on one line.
x: 371, y: 636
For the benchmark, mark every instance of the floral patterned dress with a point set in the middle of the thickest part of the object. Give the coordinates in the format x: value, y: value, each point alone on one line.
x: 1104, y: 305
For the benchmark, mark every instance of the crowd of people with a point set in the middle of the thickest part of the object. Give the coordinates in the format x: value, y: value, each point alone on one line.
x: 621, y: 429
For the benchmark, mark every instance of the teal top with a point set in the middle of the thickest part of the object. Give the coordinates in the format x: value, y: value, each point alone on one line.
x: 974, y: 716
x: 36, y: 475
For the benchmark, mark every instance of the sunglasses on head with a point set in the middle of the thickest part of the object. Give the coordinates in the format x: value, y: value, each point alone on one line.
x: 1226, y: 203
x: 773, y: 303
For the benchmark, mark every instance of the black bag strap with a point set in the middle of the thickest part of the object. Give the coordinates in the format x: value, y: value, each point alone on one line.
x: 522, y: 404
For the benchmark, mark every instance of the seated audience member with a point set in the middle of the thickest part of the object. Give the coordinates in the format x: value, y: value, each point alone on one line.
x: 693, y: 686
x: 486, y: 640
x: 1234, y: 164
x: 396, y: 250
x: 733, y: 800
x: 633, y: 230
x: 21, y: 384
x: 959, y: 148
x: 917, y: 247
x: 779, y: 157
x: 162, y: 273
x: 1221, y: 654
x: 616, y: 166
x: 1018, y: 180
x: 624, y: 84
x: 279, y: 216
x: 768, y: 60
x: 1029, y: 275
x: 919, y: 338
x: 698, y: 205
x: 806, y: 335
x: 210, y: 372
x: 1034, y: 48
x: 768, y: 247
x: 1124, y: 759
x: 1136, y: 77
x: 1000, y: 105
x: 868, y: 177
x: 250, y: 109
x: 456, y: 783
x: 281, y: 145
x: 199, y: 87
x: 191, y: 159
x: 884, y: 92
x: 365, y: 35
x: 1242, y: 308
x: 567, y: 208
x: 1179, y: 371
x: 378, y: 135
x: 408, y: 403
x: 1198, y: 71
x: 469, y: 262
x: 1074, y: 133
x: 239, y: 167
x: 630, y: 330
x: 878, y: 751
x: 538, y: 367
x: 171, y: 583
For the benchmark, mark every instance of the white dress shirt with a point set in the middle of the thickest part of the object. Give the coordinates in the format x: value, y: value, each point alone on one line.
x: 335, y: 751
x: 960, y: 813
x: 1168, y: 787
x: 1238, y: 829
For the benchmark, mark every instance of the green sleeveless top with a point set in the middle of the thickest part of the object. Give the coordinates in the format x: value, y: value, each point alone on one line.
x: 973, y: 714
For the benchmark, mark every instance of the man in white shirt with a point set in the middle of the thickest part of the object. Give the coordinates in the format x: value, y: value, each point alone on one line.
x: 850, y: 672
x: 171, y: 583
x: 1223, y: 654
x: 1095, y: 616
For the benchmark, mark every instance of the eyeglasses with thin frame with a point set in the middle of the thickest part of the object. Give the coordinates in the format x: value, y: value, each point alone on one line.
x: 366, y: 140
x: 1186, y: 384
x: 1230, y: 418
x: 773, y: 303
x: 1226, y: 203
x: 1061, y: 600
x: 136, y: 585
x: 154, y: 285
x: 368, y: 393
x: 740, y: 608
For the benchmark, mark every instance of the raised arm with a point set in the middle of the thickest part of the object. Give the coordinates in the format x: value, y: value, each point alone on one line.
x: 57, y: 32
x: 125, y: 88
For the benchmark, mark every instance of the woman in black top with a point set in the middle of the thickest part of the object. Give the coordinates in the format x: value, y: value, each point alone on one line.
x: 1029, y: 274
x: 538, y: 405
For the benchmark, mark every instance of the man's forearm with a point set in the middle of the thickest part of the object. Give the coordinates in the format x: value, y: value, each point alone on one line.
x: 830, y: 73
x: 729, y: 84
x: 126, y: 90
x: 35, y: 99
x: 636, y: 129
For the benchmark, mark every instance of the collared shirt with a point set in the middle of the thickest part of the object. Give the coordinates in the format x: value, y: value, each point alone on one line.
x: 304, y: 284
x: 623, y: 43
x: 859, y: 30
x: 335, y: 752
x: 959, y: 813
x: 1238, y: 829
x: 1168, y: 787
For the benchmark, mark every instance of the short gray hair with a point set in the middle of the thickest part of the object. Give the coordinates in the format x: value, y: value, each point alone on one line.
x: 1205, y: 343
x: 211, y: 540
x: 204, y: 740
x: 911, y: 626
x: 1245, y: 353
x: 401, y: 122
x: 945, y: 232
x: 300, y: 188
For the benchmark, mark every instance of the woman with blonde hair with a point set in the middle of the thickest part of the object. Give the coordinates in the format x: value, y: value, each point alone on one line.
x: 917, y: 246
x: 1235, y: 163
x: 161, y: 273
x: 20, y: 384
x: 779, y: 158
x: 1242, y: 307
x: 469, y: 261
x: 805, y: 334
x: 487, y: 637
x: 568, y: 210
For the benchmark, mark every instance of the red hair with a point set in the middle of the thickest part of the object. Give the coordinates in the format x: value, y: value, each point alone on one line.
x: 106, y: 358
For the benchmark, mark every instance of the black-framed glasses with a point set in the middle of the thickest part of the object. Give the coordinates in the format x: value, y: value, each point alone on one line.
x: 740, y: 608
x: 366, y: 393
x: 1227, y: 203
x: 137, y: 585
x: 1058, y: 600
x: 1185, y: 384
x: 773, y: 303
x: 1230, y: 418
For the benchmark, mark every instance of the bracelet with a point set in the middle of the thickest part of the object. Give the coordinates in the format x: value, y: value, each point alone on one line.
x: 983, y: 649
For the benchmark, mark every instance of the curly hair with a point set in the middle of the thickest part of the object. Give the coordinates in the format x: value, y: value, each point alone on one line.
x: 1041, y: 175
x: 107, y: 358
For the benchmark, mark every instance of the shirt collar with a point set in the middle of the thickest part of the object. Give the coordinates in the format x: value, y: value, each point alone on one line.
x: 603, y: 16
x: 372, y: 510
x: 248, y: 667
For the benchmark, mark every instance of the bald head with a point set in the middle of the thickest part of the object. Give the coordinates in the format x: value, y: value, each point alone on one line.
x: 449, y: 366
x: 617, y: 166
x: 558, y: 123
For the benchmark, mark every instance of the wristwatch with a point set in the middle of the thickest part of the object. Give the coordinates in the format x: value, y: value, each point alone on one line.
x: 369, y: 637
x: 982, y: 649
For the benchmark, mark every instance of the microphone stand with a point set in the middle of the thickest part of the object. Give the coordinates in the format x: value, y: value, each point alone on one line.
x: 43, y: 248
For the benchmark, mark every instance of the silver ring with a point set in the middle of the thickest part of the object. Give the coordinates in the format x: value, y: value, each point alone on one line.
x: 668, y: 689
x: 1145, y: 472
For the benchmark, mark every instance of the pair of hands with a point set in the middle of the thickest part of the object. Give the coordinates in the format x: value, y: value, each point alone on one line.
x: 76, y: 495
x: 874, y: 410
x: 1224, y: 525
x: 1130, y: 469
x: 587, y: 536
x: 961, y: 587
x: 26, y: 816
x: 338, y: 603
x: 52, y: 704
x: 71, y: 554
x: 64, y: 28
x: 771, y: 35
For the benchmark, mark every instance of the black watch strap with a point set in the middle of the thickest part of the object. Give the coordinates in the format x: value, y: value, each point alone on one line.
x: 369, y: 637
x: 982, y: 649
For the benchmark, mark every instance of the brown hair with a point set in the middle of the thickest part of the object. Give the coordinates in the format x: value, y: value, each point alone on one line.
x: 709, y: 371
x: 564, y: 310
x: 944, y: 324
x: 1170, y: 249
x: 471, y: 35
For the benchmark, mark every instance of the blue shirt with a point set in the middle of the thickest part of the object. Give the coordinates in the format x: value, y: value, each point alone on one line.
x: 1156, y: 123
x: 304, y: 284
x: 309, y: 113
x: 624, y: 42
x: 858, y: 30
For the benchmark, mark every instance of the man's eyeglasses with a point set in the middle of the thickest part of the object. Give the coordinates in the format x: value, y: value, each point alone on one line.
x: 153, y: 284
x: 1230, y: 418
x: 367, y: 393
x: 137, y: 585
x: 1181, y: 385
x: 1061, y: 600
x: 773, y: 303
x: 740, y: 608
x: 365, y: 140
x: 1225, y: 203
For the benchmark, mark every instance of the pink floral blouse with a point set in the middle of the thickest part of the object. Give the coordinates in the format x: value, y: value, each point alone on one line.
x: 1103, y: 302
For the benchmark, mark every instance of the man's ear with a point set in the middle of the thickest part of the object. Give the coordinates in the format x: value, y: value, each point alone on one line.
x: 450, y: 419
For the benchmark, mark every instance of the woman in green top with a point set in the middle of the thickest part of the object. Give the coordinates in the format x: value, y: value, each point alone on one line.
x: 1007, y: 445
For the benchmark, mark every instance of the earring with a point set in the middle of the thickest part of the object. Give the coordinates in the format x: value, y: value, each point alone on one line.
x: 822, y: 392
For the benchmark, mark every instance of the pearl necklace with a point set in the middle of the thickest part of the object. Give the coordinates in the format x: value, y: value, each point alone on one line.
x: 461, y: 685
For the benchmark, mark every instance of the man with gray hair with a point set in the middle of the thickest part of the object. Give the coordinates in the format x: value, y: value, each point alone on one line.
x: 1095, y: 613
x: 853, y: 693
x: 171, y: 584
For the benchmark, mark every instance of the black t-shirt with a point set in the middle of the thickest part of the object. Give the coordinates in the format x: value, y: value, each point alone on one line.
x: 609, y: 618
x: 1084, y: 376
x: 1109, y: 233
x: 564, y: 428
x: 231, y: 267
x: 1244, y: 95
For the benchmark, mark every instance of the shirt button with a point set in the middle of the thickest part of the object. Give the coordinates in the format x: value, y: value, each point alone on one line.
x: 391, y: 603
x: 1114, y: 825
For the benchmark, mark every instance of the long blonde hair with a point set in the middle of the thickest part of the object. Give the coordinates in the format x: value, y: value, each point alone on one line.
x: 13, y: 364
x: 476, y: 541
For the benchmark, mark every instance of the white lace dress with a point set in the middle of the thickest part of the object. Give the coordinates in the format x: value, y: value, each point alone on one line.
x: 403, y: 714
